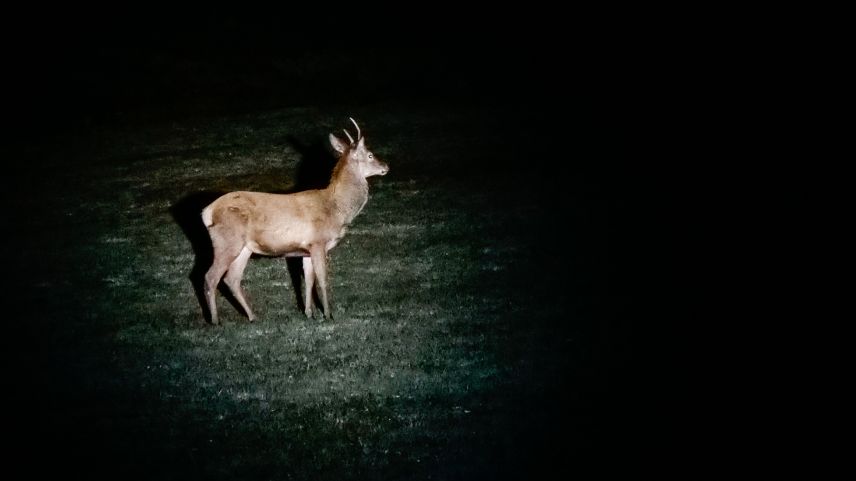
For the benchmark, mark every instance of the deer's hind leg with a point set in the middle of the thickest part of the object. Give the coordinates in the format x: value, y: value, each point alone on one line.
x: 234, y: 274
x: 227, y: 246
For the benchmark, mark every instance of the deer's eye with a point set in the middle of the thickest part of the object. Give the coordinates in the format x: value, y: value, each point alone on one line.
x: 371, y: 156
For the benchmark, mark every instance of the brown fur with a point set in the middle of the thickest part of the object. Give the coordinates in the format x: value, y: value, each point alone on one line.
x: 306, y: 224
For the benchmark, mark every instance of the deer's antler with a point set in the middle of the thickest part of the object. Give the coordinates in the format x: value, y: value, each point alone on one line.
x: 359, y: 135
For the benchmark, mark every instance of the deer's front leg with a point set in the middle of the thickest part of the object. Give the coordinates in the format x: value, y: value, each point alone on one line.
x: 308, y: 284
x: 319, y: 262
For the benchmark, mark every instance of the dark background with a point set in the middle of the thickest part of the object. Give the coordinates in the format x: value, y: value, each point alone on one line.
x: 70, y: 72
x: 74, y: 69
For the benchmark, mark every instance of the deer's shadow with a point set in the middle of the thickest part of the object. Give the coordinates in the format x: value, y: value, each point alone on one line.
x: 313, y: 171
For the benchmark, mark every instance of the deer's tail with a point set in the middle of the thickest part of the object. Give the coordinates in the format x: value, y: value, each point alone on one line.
x: 207, y: 216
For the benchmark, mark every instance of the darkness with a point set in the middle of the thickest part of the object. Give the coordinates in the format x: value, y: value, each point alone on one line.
x: 73, y: 73
x: 137, y: 67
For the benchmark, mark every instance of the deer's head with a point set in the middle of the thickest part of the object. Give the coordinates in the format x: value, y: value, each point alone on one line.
x: 357, y: 154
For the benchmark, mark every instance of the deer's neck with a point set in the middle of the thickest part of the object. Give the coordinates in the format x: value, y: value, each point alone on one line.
x: 349, y: 192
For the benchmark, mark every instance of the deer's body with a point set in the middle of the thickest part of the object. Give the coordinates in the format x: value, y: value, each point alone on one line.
x: 281, y: 224
x: 305, y: 224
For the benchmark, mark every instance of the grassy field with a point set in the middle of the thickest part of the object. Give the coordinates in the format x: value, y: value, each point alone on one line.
x: 482, y: 327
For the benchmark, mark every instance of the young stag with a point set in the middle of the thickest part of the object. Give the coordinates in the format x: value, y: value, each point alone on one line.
x: 304, y: 224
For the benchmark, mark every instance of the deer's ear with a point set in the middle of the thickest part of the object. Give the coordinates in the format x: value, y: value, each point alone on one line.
x: 337, y: 144
x: 361, y: 144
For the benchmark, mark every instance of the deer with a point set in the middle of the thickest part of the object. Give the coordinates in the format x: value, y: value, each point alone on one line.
x: 305, y: 224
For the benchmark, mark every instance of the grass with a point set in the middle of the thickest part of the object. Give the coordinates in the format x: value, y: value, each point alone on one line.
x: 475, y: 333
